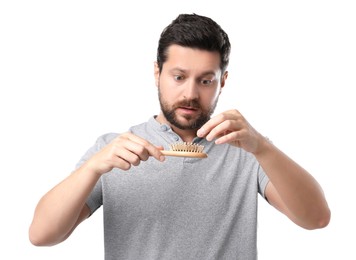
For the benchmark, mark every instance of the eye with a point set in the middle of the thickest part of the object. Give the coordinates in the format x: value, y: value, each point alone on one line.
x: 178, y: 77
x: 206, y: 82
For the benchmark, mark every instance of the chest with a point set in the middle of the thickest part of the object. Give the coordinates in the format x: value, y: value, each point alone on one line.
x: 177, y: 187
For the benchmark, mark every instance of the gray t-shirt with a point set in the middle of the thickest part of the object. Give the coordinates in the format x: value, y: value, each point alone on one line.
x: 182, y: 208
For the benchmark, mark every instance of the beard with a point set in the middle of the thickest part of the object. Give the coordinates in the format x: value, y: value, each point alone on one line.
x: 190, y: 122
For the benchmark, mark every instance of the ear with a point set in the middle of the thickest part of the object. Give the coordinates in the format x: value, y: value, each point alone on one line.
x: 156, y: 73
x: 223, y: 79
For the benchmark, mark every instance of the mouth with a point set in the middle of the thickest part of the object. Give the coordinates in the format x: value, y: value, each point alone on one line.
x: 187, y: 110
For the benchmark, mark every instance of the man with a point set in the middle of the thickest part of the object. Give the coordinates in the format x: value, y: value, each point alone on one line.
x: 158, y: 207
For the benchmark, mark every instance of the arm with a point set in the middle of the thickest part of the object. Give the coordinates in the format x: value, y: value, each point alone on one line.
x: 63, y: 208
x: 291, y: 189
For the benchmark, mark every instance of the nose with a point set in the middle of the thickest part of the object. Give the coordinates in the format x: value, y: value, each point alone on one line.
x: 191, y: 90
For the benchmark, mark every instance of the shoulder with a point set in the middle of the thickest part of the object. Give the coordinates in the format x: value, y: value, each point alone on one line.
x: 138, y: 128
x: 143, y: 129
x: 106, y: 138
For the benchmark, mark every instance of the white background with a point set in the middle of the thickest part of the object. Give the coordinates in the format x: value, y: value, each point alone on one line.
x: 73, y: 70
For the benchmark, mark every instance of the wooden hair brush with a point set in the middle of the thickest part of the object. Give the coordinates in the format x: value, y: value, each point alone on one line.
x: 185, y: 149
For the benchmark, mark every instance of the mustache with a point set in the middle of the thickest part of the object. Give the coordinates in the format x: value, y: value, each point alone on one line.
x: 192, y: 103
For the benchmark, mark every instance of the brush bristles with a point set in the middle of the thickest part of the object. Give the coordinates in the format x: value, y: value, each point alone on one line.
x: 186, y: 147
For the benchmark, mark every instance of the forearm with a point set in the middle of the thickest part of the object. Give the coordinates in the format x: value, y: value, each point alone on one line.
x: 58, y: 211
x: 299, y: 191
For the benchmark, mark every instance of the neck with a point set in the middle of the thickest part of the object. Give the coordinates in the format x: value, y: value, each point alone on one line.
x: 187, y: 135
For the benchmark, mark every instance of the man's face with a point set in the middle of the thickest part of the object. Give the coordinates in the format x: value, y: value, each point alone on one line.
x: 189, y: 86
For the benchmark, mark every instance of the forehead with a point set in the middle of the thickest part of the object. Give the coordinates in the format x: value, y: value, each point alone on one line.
x: 192, y: 59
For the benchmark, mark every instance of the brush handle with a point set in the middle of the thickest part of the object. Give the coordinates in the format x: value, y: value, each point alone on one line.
x: 184, y: 154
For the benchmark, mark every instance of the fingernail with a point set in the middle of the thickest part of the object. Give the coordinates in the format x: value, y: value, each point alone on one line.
x: 161, y: 158
x: 200, y: 132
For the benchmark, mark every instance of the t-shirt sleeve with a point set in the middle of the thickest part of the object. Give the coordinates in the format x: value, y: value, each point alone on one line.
x: 262, y: 178
x: 94, y: 201
x: 262, y: 182
x: 99, y: 144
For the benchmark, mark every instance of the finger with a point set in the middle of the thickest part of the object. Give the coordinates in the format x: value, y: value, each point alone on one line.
x: 129, y: 153
x: 150, y: 148
x: 208, y: 126
x: 222, y: 129
x: 232, y: 137
x: 136, y: 149
x: 160, y: 147
x: 120, y: 163
x: 215, y: 121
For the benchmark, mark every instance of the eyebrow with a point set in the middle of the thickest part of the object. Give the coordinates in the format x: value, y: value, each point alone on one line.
x: 177, y: 69
x: 206, y: 73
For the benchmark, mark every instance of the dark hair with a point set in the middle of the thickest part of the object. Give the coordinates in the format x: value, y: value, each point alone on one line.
x: 194, y: 31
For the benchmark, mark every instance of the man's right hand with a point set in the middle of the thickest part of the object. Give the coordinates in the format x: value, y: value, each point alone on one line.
x: 125, y: 150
